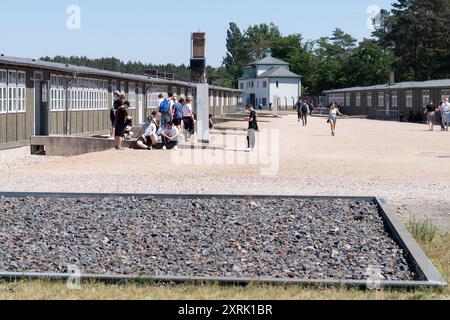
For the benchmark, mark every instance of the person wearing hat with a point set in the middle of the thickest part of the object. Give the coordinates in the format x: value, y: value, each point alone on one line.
x: 148, y: 137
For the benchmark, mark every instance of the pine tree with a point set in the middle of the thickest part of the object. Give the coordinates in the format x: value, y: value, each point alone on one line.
x: 418, y: 34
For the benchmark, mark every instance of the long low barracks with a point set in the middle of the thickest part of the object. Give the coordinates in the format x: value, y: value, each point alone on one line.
x: 41, y: 98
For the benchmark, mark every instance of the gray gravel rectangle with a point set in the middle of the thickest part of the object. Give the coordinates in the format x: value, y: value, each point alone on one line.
x: 272, y: 237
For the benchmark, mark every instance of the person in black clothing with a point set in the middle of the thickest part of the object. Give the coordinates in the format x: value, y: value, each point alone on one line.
x: 121, y: 123
x: 252, y: 128
x: 303, y: 110
x: 299, y: 108
x: 430, y: 111
x: 411, y: 116
x: 112, y: 114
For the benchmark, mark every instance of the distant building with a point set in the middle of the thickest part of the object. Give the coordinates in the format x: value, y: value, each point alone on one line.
x: 268, y: 81
x: 389, y: 101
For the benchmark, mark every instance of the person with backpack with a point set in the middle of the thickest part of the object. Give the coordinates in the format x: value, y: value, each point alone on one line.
x: 303, y: 111
x: 165, y: 109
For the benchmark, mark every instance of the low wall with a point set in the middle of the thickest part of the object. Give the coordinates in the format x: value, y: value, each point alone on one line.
x: 67, y: 146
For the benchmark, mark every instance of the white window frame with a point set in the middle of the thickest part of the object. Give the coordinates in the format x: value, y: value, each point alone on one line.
x: 12, y: 92
x: 394, y: 99
x: 348, y: 99
x: 3, y: 91
x: 409, y: 98
x: 381, y: 101
x: 358, y: 99
x: 445, y: 94
x: 132, y: 95
x: 152, y: 96
x: 369, y: 99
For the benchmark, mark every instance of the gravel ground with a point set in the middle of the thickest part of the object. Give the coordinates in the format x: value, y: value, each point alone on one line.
x: 276, y: 238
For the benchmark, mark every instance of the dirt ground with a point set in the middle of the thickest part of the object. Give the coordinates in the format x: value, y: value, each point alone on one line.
x: 402, y: 162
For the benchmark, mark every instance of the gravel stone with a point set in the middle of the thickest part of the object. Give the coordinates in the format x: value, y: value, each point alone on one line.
x: 270, y: 237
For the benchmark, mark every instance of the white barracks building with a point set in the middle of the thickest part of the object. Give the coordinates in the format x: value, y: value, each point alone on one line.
x: 269, y: 81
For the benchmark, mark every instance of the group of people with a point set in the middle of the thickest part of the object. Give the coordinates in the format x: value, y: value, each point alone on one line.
x: 120, y: 118
x: 304, y: 109
x: 173, y: 119
x: 440, y: 113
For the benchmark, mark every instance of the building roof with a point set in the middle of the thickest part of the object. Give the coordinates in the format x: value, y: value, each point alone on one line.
x: 278, y: 72
x: 444, y: 83
x: 86, y: 71
x: 269, y: 61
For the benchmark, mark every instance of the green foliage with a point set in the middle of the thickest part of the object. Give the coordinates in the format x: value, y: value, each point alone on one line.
x: 324, y: 64
x: 423, y: 230
x: 368, y: 65
x: 417, y: 32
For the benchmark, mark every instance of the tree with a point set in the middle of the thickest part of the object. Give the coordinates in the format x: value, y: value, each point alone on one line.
x: 368, y: 65
x: 237, y: 56
x: 330, y: 59
x: 259, y: 38
x: 292, y: 49
x: 417, y: 32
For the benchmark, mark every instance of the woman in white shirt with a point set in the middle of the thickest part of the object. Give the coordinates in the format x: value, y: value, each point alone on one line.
x: 445, y: 112
x: 332, y: 119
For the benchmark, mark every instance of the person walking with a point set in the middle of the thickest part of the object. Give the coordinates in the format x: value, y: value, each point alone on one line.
x: 188, y: 120
x: 332, y: 120
x: 445, y: 112
x: 430, y: 111
x: 304, y: 109
x: 439, y: 115
x: 299, y: 110
x: 252, y: 128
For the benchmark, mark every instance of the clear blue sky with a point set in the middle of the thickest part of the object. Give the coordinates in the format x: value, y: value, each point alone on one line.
x: 159, y: 31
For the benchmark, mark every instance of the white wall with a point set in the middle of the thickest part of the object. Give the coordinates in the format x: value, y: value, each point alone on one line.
x: 260, y: 92
x: 288, y: 88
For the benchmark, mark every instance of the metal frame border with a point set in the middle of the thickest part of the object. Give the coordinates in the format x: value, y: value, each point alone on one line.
x: 416, y: 257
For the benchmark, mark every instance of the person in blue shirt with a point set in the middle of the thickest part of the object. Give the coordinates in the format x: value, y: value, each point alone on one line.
x: 177, y: 114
